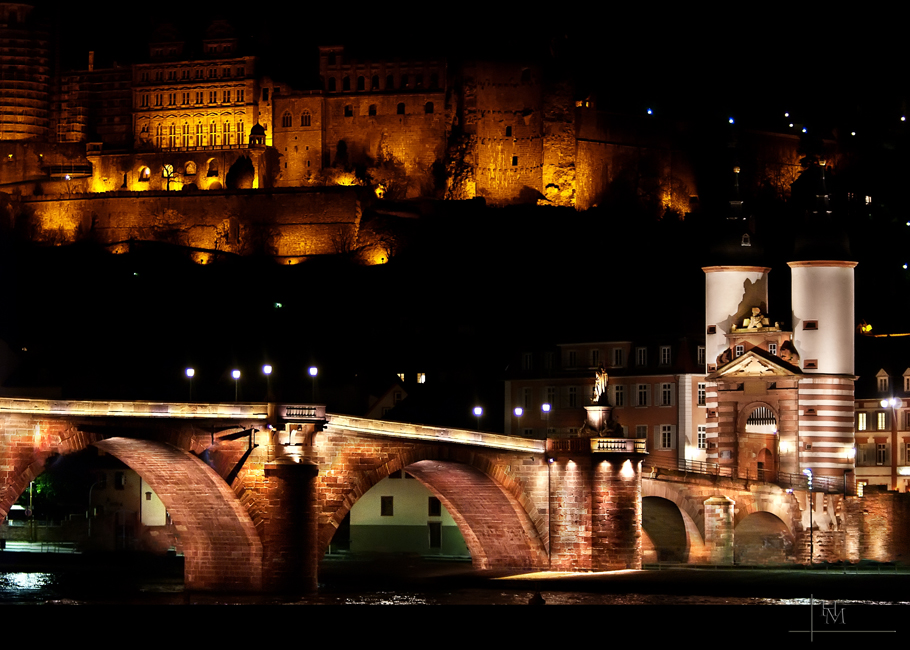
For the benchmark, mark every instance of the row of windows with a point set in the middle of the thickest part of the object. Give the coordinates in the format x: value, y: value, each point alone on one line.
x: 404, y: 82
x: 227, y: 97
x: 189, y: 169
x: 882, y: 420
x: 287, y: 119
x: 186, y: 74
x: 640, y: 395
x: 883, y: 381
x: 169, y: 136
x: 372, y: 111
x: 665, y: 355
x: 872, y: 453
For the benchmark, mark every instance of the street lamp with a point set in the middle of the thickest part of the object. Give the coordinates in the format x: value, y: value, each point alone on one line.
x: 895, y: 403
x: 808, y: 473
x: 267, y: 371
x: 478, y: 411
x: 313, y: 372
x: 236, y: 375
x: 518, y: 413
x: 190, y: 373
x: 546, y: 419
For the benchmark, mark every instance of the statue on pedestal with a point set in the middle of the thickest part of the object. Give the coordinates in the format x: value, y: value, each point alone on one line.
x: 601, y: 380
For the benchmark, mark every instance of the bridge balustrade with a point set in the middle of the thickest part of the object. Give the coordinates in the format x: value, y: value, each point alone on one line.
x: 827, y: 484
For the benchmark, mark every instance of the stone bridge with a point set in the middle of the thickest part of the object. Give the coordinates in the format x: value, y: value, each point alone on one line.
x: 256, y: 491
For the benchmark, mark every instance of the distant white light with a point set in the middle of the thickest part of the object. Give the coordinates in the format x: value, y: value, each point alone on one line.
x: 786, y: 114
x: 804, y: 129
x: 190, y: 372
x: 791, y: 125
x: 518, y: 411
x: 545, y: 408
x: 478, y: 411
x: 852, y: 132
x: 267, y: 369
x: 905, y: 266
x: 650, y: 112
x: 730, y: 120
x: 235, y: 374
x: 313, y: 371
x: 903, y: 119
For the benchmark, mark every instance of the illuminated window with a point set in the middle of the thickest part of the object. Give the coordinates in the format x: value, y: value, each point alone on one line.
x: 861, y: 422
x: 881, y: 420
x: 428, y: 107
x: 286, y: 119
x: 401, y: 108
x: 226, y: 97
x: 739, y: 350
x: 702, y: 436
x: 190, y: 169
x: 213, y: 96
x: 144, y: 174
x: 372, y: 110
x: 186, y: 135
x: 772, y: 348
x: 665, y: 355
x: 643, y: 390
x: 907, y: 381
x: 305, y: 119
x: 186, y: 98
x: 241, y: 134
x: 666, y: 394
x: 421, y: 377
x: 386, y: 507
x: 702, y: 394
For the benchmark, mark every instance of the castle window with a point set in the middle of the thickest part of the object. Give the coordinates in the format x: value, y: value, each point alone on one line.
x: 418, y: 82
x: 305, y: 119
x: 702, y: 436
x: 144, y: 174
x: 374, y: 82
x: 286, y: 119
x: 404, y: 81
x: 514, y: 161
x: 332, y: 84
x: 349, y: 111
x: 372, y: 110
x: 702, y: 394
x: 390, y: 82
x: 401, y: 108
x: 190, y: 169
x: 265, y: 94
x: 428, y: 107
x: 861, y: 422
x: 508, y: 131
x: 434, y: 81
x: 346, y: 83
x: 881, y: 420
x: 882, y: 378
x: 361, y: 83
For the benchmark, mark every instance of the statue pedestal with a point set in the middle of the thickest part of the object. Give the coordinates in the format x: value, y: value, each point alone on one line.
x: 598, y: 416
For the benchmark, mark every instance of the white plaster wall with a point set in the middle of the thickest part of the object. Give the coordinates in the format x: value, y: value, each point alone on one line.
x: 730, y: 294
x: 825, y: 294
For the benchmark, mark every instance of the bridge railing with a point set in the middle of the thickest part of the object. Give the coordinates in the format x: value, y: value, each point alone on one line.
x: 827, y: 484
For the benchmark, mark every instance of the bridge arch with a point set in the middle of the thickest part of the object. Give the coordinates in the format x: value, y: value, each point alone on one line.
x: 500, y: 524
x: 762, y: 538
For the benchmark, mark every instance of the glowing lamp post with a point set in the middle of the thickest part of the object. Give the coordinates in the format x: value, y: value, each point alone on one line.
x: 267, y: 371
x: 236, y: 375
x: 478, y: 411
x: 808, y: 473
x: 190, y: 373
x: 313, y: 372
x: 518, y: 413
x: 546, y: 419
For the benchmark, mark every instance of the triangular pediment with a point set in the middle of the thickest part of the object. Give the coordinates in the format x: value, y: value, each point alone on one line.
x: 753, y: 364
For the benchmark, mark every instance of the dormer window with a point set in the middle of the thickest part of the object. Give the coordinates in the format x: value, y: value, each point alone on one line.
x: 882, y: 381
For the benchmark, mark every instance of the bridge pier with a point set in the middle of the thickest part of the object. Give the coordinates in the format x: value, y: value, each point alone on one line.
x: 616, y: 513
x: 289, y: 536
x: 719, y: 529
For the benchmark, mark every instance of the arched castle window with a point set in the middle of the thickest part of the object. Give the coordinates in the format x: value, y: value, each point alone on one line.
x: 144, y: 174
x: 374, y: 84
x: 286, y: 119
x: 305, y: 119
x: 372, y: 109
x: 346, y: 83
x: 212, y: 168
x: 361, y: 83
x: 428, y: 107
x: 332, y: 84
x: 190, y: 169
x: 401, y: 108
